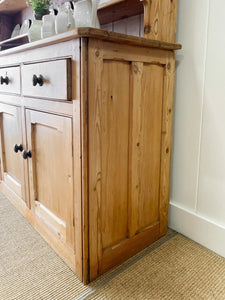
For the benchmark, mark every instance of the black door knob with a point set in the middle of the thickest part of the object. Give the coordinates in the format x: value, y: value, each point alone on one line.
x: 38, y: 80
x: 17, y: 148
x: 4, y: 80
x: 26, y: 154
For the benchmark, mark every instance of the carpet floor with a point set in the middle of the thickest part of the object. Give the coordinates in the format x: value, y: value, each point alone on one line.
x: 172, y: 268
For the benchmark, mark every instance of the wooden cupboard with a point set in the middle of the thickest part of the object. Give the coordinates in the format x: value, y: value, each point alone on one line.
x: 129, y: 147
x: 11, y: 145
x: 51, y: 171
x: 92, y: 125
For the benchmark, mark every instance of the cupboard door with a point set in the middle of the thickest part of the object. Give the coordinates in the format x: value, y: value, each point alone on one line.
x: 49, y: 140
x: 129, y: 105
x: 12, y: 171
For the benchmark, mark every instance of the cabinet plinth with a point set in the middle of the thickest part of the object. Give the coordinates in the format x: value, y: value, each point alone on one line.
x: 91, y: 173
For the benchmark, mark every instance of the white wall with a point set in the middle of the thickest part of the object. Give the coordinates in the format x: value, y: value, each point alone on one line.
x: 197, y: 202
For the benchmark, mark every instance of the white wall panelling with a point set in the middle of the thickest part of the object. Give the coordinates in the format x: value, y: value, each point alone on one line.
x: 188, y: 100
x: 211, y: 200
x: 202, y: 230
x: 129, y: 26
x: 197, y: 206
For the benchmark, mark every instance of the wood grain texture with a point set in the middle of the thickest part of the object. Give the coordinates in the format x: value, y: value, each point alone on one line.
x: 114, y: 10
x: 112, y: 109
x: 92, y: 33
x: 95, y: 67
x: 128, y: 187
x: 160, y: 20
x: 167, y: 127
x: 55, y: 107
x: 11, y: 163
x: 77, y: 196
x: 128, y: 53
x: 84, y: 158
x: 50, y: 168
x: 146, y: 120
x: 50, y: 52
x: 98, y: 179
x: 127, y: 248
x: 77, y: 175
x: 56, y: 79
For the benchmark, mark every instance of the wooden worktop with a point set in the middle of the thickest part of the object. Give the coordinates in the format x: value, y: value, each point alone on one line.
x: 93, y: 33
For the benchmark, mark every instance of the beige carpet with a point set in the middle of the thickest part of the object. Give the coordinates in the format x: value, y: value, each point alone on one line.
x: 179, y: 269
x: 29, y: 268
x: 172, y: 268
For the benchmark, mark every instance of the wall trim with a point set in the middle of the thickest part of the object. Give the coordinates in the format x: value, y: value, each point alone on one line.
x: 198, y: 228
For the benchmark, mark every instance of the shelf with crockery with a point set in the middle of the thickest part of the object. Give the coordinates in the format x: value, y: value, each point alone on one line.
x: 19, y: 36
x: 13, y: 42
x: 107, y: 11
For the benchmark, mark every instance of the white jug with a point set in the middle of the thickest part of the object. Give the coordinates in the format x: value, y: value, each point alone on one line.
x: 85, y: 13
x: 48, y: 26
x: 64, y: 20
x: 34, y: 33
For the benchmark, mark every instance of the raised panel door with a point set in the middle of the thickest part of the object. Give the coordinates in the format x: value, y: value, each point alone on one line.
x: 12, y: 168
x: 51, y: 172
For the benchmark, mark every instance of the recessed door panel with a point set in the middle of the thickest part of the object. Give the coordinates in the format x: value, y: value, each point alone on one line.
x: 51, y: 171
x: 147, y: 89
x: 11, y: 161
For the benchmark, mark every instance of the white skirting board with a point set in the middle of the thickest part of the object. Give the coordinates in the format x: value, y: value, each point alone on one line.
x: 197, y: 228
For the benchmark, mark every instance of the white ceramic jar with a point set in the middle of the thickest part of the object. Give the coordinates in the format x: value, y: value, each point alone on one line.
x: 48, y: 26
x: 64, y: 20
x: 85, y: 13
x: 34, y: 33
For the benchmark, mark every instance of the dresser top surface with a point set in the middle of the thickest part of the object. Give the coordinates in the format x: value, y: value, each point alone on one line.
x: 93, y: 33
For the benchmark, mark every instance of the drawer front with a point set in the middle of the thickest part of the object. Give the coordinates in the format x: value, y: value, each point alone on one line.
x: 47, y: 80
x: 10, y: 80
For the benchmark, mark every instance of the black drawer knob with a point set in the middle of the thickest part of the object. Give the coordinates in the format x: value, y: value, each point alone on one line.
x: 38, y: 80
x: 26, y: 154
x: 17, y: 148
x: 5, y: 80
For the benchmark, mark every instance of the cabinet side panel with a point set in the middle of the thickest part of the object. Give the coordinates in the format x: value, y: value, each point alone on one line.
x: 108, y: 150
x: 129, y: 125
x: 145, y: 144
x: 113, y: 136
x: 167, y: 127
x: 108, y: 154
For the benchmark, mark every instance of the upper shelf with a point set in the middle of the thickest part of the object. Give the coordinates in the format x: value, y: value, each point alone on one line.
x: 115, y: 10
x: 13, y: 42
x: 109, y: 11
x: 12, y: 6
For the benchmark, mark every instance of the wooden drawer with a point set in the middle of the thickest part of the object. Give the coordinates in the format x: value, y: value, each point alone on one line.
x: 10, y: 80
x: 47, y: 80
